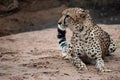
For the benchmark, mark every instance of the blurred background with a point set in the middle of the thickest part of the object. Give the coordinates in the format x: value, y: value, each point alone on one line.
x: 18, y: 16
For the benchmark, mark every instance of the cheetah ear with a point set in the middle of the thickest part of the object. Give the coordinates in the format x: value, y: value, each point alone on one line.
x: 81, y: 16
x: 84, y: 14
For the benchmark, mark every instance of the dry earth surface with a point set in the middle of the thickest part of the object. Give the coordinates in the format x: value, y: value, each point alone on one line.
x: 36, y: 56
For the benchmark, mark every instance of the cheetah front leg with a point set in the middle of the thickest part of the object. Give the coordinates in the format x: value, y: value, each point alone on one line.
x: 94, y: 51
x: 99, y: 61
x: 78, y: 62
x: 67, y: 50
x: 100, y: 65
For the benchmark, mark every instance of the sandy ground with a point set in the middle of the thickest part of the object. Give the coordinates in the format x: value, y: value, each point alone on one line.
x: 36, y: 56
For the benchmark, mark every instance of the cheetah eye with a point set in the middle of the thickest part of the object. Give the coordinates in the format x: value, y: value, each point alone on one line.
x: 82, y: 16
x: 67, y: 16
x: 83, y: 10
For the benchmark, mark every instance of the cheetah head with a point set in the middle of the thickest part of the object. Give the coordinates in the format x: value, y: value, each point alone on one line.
x: 72, y: 18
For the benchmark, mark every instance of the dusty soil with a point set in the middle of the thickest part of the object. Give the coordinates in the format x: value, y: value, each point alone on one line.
x: 36, y: 56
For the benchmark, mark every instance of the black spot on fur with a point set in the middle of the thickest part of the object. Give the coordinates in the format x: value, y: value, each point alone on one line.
x: 89, y: 53
x: 79, y: 54
x: 92, y: 50
x: 93, y: 55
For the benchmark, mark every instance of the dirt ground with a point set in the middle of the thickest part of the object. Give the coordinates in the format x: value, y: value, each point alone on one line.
x: 36, y: 56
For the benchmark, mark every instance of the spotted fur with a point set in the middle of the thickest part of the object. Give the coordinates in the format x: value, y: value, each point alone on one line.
x: 88, y: 42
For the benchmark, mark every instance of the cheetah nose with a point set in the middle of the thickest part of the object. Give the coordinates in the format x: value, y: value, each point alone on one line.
x: 59, y: 23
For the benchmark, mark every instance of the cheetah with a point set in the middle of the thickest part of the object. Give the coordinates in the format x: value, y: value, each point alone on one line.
x: 88, y: 42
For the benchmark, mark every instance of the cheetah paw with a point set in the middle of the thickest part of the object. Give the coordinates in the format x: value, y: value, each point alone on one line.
x: 81, y: 66
x: 104, y: 70
x: 65, y: 55
x: 101, y: 68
